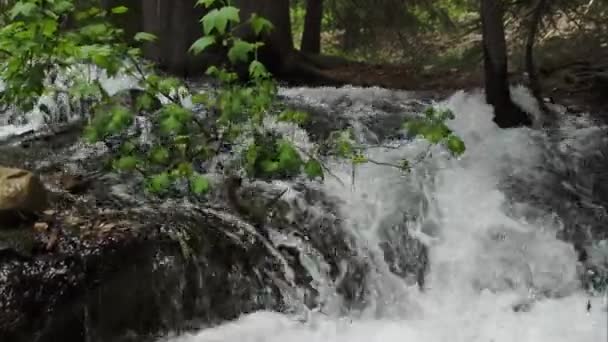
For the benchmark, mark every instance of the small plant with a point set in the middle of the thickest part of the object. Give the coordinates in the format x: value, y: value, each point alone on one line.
x: 36, y: 46
x: 433, y: 128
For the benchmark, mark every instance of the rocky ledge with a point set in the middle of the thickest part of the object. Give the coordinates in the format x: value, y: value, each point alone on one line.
x: 98, y: 261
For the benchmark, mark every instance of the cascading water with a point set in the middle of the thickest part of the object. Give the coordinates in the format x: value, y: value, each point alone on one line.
x: 494, y: 274
x: 56, y: 108
x: 495, y: 269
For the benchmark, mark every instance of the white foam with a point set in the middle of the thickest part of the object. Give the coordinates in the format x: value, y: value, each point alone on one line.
x: 483, y: 260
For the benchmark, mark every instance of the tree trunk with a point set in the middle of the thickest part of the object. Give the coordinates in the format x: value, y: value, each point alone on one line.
x: 176, y: 24
x: 278, y: 53
x: 534, y: 82
x: 132, y: 21
x: 311, y: 38
x: 506, y: 113
x: 279, y: 43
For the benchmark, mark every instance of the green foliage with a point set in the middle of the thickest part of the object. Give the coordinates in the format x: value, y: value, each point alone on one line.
x: 433, y: 128
x: 34, y: 47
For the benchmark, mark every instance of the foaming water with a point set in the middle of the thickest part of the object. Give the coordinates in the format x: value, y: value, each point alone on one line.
x: 493, y: 276
x: 57, y: 108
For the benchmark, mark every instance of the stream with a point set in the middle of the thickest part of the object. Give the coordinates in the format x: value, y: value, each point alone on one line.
x: 492, y: 231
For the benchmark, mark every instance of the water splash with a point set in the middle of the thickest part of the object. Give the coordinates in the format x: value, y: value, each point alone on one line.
x: 495, y: 275
x: 57, y: 107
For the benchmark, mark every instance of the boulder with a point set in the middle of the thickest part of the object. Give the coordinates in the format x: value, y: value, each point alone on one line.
x: 21, y: 194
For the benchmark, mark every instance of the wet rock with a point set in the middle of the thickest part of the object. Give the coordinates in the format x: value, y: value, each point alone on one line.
x: 173, y: 270
x: 21, y: 194
x: 405, y: 255
x: 306, y: 217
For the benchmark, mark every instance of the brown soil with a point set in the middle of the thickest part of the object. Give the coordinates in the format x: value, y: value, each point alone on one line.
x: 582, y: 85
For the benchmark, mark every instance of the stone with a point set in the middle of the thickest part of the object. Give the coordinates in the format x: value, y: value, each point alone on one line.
x: 21, y: 194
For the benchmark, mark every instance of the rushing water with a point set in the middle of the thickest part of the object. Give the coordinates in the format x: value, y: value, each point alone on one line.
x: 486, y: 258
x: 496, y: 270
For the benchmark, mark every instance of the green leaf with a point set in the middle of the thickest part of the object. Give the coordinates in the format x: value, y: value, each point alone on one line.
x: 22, y: 8
x: 144, y: 37
x: 201, y: 44
x: 257, y: 70
x: 415, y: 127
x: 171, y: 125
x: 218, y: 19
x: 127, y: 163
x: 209, y: 21
x: 159, y: 183
x: 91, y: 134
x: 159, y: 155
x: 144, y: 102
x: 260, y: 24
x: 202, y: 98
x: 230, y: 13
x: 205, y: 3
x: 455, y: 145
x: 184, y: 169
x: 128, y: 147
x: 95, y: 30
x: 212, y: 71
x: 343, y: 144
x: 251, y: 158
x: 61, y: 7
x: 120, y: 118
x: 295, y: 116
x: 359, y: 159
x: 313, y: 169
x: 176, y: 111
x: 199, y: 184
x: 289, y: 158
x: 167, y: 84
x: 120, y: 10
x: 436, y: 132
x: 240, y: 51
x: 269, y: 166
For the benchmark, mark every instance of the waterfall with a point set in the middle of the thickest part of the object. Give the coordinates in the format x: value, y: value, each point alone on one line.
x: 497, y: 270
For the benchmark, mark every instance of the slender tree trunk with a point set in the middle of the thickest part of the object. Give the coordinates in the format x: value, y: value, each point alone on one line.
x: 506, y: 113
x: 534, y: 82
x: 311, y: 38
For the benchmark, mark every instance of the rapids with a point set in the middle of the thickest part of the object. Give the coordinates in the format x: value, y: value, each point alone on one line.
x: 496, y: 269
x: 495, y: 273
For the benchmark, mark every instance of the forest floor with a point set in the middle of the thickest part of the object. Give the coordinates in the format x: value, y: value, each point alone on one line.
x: 573, y: 78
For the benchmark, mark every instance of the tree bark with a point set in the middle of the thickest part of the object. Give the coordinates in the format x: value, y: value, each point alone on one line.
x: 534, y: 82
x: 176, y: 24
x: 311, y: 38
x: 132, y: 21
x: 278, y: 53
x: 279, y: 43
x: 506, y: 113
